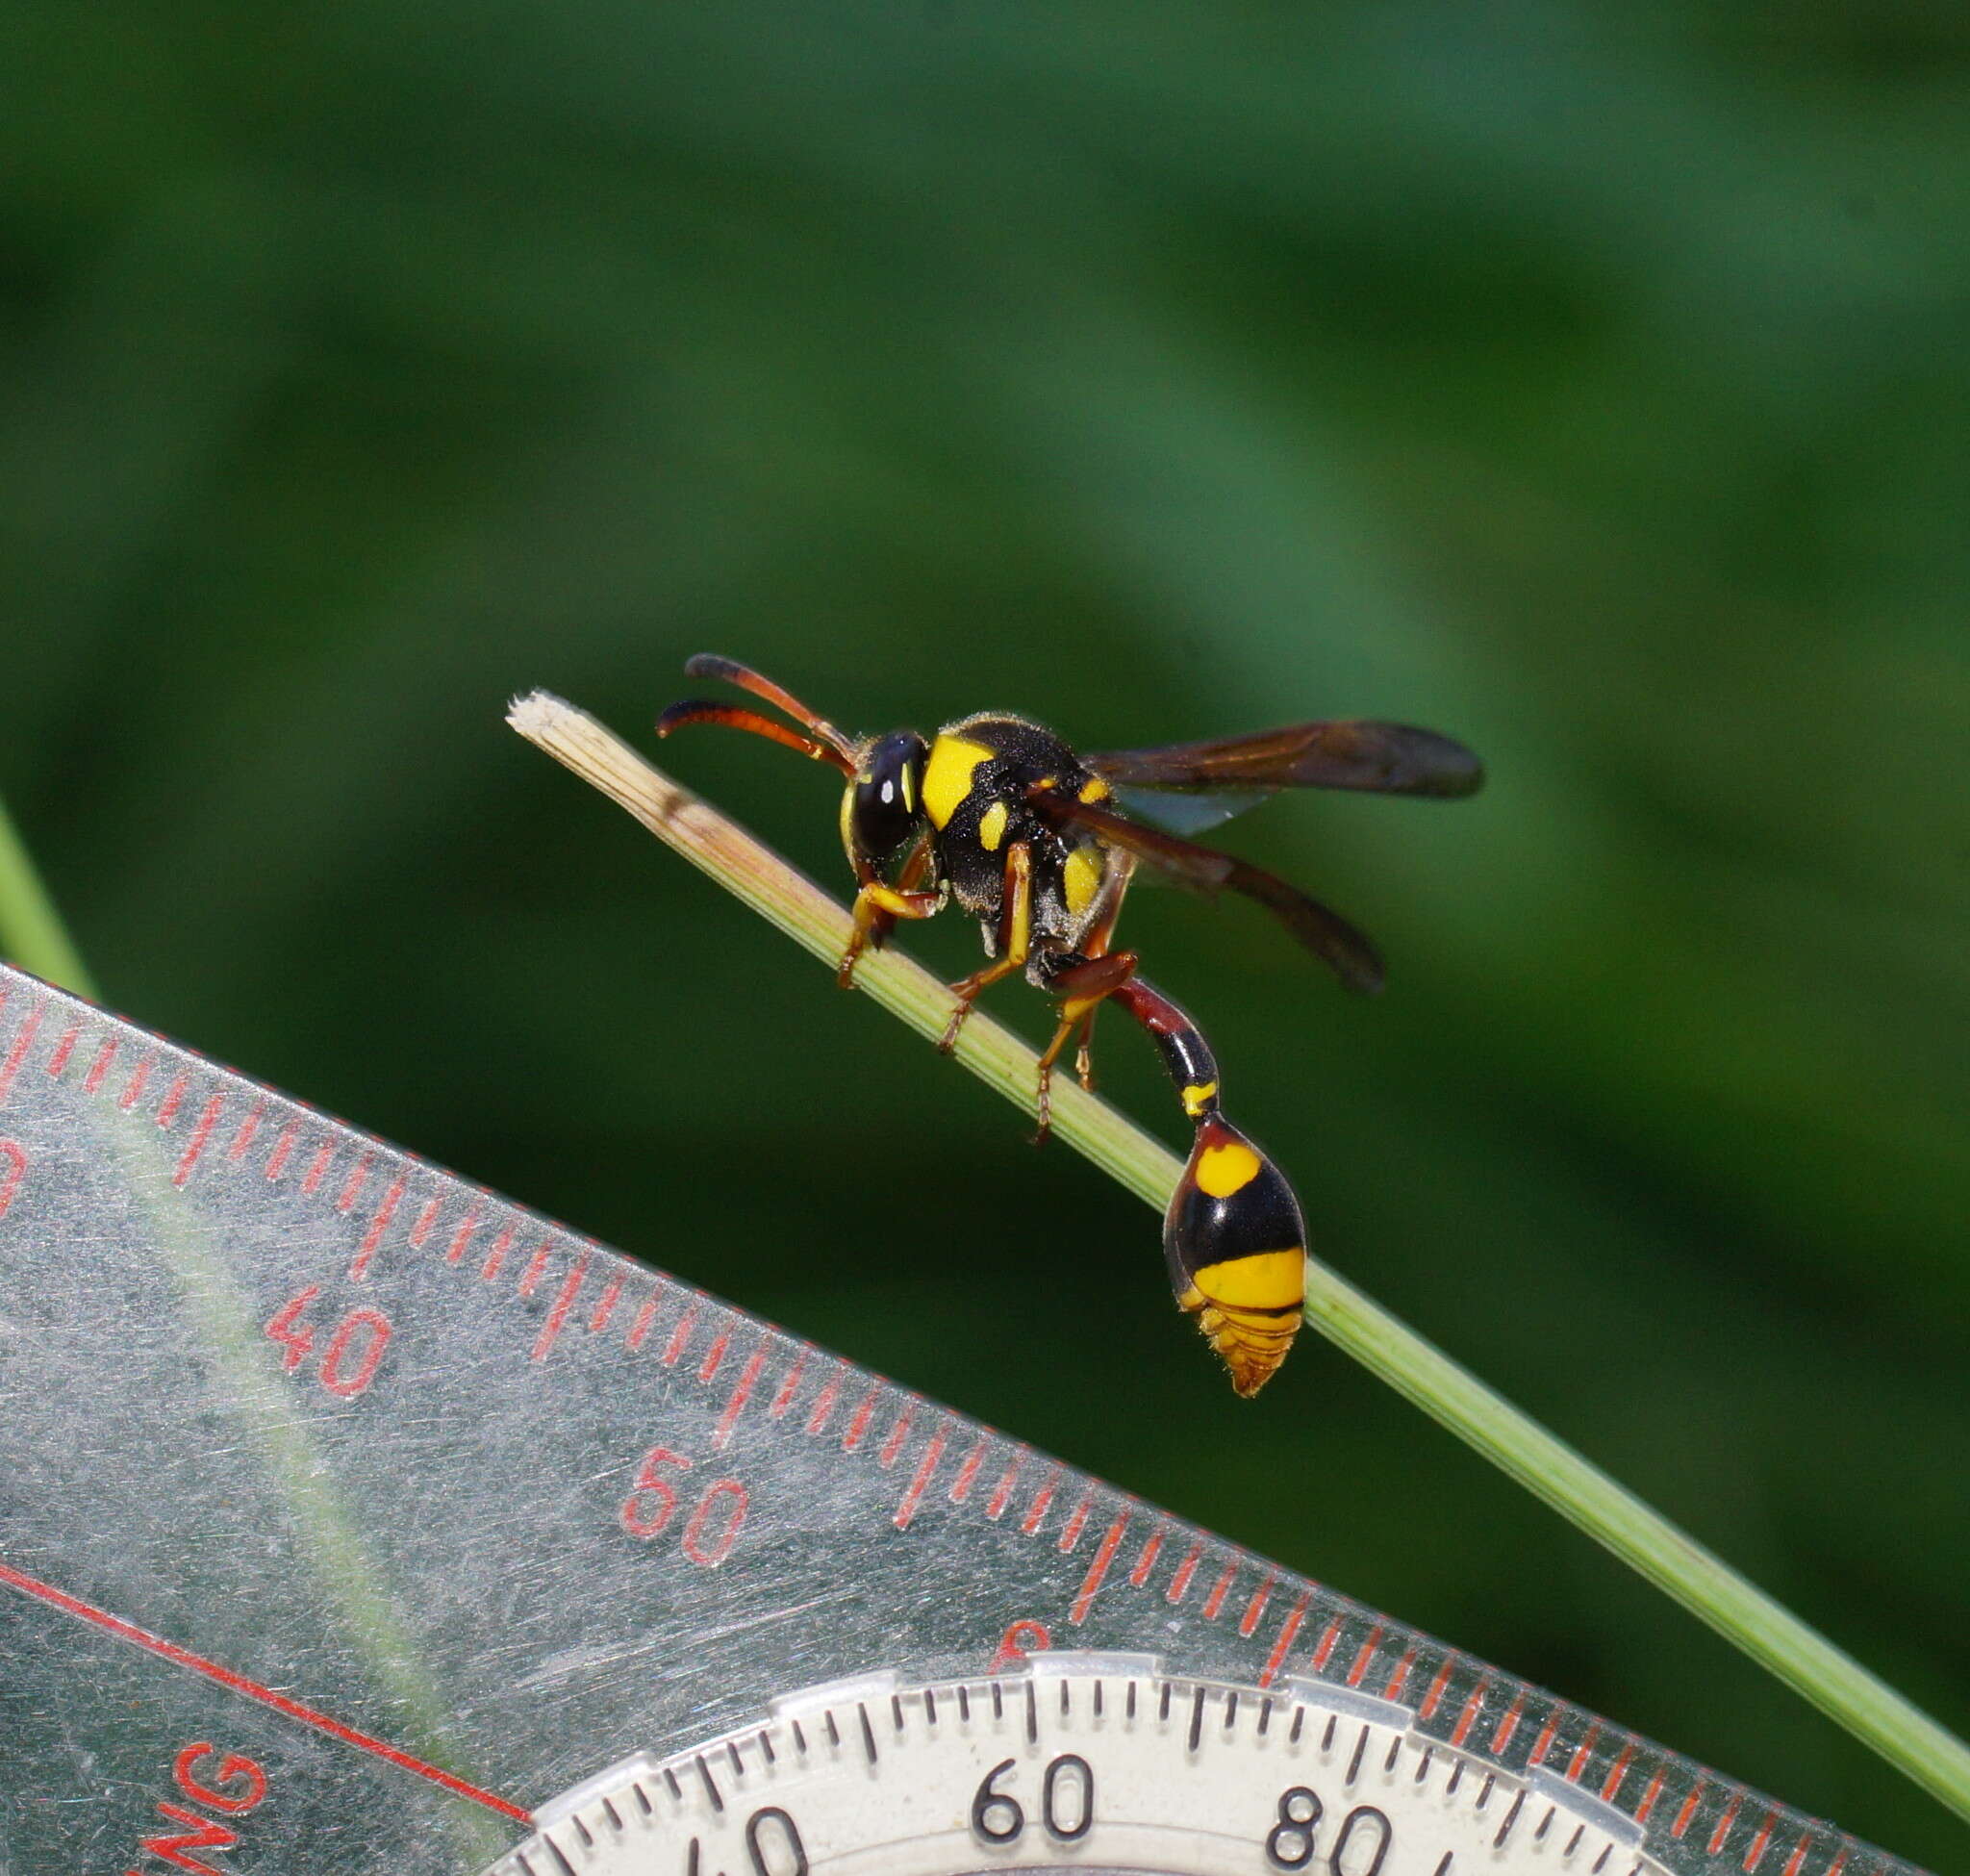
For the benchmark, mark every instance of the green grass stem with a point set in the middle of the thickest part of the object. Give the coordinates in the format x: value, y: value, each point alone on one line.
x: 32, y: 933
x: 1832, y: 1680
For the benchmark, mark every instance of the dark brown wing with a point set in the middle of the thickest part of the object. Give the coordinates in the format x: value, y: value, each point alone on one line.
x: 1384, y: 758
x: 1321, y: 930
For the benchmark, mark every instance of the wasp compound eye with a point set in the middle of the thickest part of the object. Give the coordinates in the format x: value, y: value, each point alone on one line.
x: 886, y: 799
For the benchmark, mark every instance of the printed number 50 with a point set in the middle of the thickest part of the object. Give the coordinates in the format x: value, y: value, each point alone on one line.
x: 716, y: 1520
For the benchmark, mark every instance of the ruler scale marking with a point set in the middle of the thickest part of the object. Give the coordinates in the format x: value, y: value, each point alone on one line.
x: 675, y: 1506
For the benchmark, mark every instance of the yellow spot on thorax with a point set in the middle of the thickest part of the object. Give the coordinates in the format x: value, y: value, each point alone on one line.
x: 1196, y: 1095
x: 947, y: 775
x: 992, y: 827
x: 1224, y: 1170
x: 1094, y: 789
x: 1080, y: 878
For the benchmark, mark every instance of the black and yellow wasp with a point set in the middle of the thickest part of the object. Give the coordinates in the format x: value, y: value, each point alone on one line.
x: 1039, y: 845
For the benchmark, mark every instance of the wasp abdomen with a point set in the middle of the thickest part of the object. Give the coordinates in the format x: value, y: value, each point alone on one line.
x: 1236, y: 1247
x: 1186, y: 1056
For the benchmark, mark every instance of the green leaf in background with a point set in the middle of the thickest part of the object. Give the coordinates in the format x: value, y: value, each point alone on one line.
x: 1585, y: 383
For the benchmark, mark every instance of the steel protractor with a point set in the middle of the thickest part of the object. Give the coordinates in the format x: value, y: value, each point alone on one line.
x: 354, y: 1520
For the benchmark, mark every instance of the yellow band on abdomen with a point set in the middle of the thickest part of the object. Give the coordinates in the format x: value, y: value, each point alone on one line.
x: 1268, y: 1279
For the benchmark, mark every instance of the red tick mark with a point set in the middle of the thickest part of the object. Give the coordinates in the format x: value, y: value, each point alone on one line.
x: 133, y: 1089
x: 961, y: 1485
x: 605, y: 1305
x: 63, y: 1048
x: 1180, y: 1581
x: 892, y: 1446
x: 208, y: 1118
x: 23, y: 1041
x: 317, y: 1168
x: 564, y: 1302
x: 379, y: 1223
x: 99, y: 1069
x: 243, y: 1138
x: 789, y: 1382
x: 1288, y: 1629
x: 1104, y: 1555
x: 926, y: 1468
x: 735, y: 1404
x: 537, y: 1267
x: 13, y: 1170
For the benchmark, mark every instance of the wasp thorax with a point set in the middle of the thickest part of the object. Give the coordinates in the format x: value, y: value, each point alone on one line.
x: 885, y: 805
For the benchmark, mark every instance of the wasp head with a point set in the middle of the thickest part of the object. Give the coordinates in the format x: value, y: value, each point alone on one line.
x: 882, y: 807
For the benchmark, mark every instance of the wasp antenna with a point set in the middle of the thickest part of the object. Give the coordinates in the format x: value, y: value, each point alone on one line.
x: 730, y: 716
x: 708, y: 664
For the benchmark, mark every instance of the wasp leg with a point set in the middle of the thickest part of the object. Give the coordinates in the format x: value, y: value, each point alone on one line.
x: 878, y: 907
x: 1080, y: 987
x: 1094, y: 945
x: 1014, y: 939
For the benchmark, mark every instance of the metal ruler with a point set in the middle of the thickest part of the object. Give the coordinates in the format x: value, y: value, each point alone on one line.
x: 355, y: 1520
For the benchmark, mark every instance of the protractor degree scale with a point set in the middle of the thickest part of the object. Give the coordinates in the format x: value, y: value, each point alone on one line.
x: 355, y: 1520
x: 1100, y: 1761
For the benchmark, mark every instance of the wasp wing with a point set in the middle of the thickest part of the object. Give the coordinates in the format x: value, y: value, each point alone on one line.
x: 1321, y: 929
x: 1188, y: 811
x: 1380, y: 758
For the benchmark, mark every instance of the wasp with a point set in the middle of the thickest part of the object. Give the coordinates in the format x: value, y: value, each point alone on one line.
x: 1039, y: 845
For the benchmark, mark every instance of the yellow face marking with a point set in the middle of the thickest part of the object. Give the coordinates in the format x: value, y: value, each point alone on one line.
x: 947, y: 775
x: 1094, y: 789
x: 992, y: 827
x: 909, y: 789
x: 1224, y: 1170
x: 1270, y: 1279
x: 1080, y: 878
x: 1196, y: 1095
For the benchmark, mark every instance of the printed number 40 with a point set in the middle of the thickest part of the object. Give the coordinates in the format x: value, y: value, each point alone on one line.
x: 354, y: 1349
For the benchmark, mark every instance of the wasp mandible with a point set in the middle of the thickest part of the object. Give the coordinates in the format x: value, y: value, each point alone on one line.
x: 1039, y: 845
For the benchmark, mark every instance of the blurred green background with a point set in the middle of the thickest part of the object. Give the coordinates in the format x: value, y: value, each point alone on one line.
x: 1591, y: 386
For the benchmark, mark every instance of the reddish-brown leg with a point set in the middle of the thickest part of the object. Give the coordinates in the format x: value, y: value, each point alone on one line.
x: 1015, y: 937
x: 1080, y: 988
x: 878, y: 907
x: 1095, y: 944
